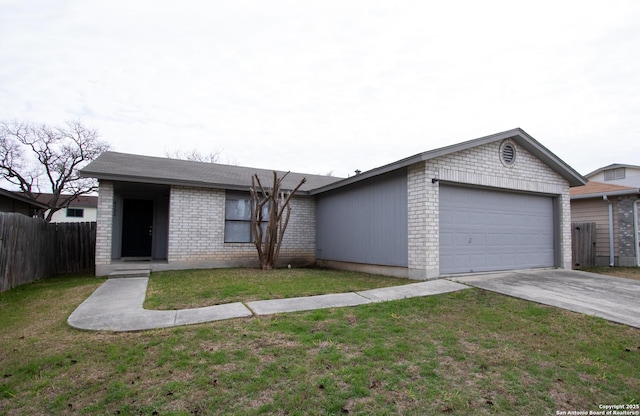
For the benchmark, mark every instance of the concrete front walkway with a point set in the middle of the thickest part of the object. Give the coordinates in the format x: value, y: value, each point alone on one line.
x: 117, y: 305
x: 612, y: 298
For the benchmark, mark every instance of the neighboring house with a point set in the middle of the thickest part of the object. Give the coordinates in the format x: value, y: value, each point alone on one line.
x: 495, y: 203
x: 617, y: 174
x: 15, y: 202
x: 83, y: 208
x: 613, y: 207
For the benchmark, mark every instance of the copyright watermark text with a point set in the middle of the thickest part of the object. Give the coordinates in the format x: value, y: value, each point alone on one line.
x: 604, y: 410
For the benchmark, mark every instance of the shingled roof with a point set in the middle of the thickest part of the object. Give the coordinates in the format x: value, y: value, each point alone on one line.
x: 161, y: 170
x: 598, y: 189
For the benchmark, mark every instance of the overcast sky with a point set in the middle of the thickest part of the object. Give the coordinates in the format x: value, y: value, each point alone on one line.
x: 328, y: 86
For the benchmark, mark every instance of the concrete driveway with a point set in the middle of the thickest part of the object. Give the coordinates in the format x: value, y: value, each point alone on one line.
x: 612, y: 298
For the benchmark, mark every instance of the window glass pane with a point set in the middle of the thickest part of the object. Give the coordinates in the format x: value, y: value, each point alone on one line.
x: 237, y: 232
x: 75, y: 212
x: 238, y: 218
x: 237, y: 208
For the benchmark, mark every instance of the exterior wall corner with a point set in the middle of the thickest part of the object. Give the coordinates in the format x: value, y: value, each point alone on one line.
x: 104, y: 225
x: 564, y: 225
x: 423, y: 222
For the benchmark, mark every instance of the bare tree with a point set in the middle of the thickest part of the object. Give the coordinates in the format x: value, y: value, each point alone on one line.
x: 268, y: 237
x: 195, y: 155
x: 37, y: 158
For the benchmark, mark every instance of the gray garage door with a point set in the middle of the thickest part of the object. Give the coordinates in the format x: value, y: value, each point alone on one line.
x: 486, y: 230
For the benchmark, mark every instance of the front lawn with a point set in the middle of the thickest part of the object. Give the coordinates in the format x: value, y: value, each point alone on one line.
x: 194, y: 288
x: 468, y: 352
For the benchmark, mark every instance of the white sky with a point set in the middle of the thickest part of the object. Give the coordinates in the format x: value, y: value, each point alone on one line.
x: 328, y: 86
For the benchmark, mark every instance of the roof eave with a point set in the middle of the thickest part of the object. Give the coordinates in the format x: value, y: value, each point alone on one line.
x: 517, y: 134
x: 82, y: 206
x: 22, y: 199
x: 548, y: 157
x: 165, y: 181
x: 367, y: 175
x: 611, y: 193
x: 611, y: 166
x: 411, y: 160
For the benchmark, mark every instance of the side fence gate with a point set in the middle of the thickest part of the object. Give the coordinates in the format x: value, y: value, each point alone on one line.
x: 583, y: 244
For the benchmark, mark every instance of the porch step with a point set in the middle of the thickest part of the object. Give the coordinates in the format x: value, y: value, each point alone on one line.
x: 130, y: 273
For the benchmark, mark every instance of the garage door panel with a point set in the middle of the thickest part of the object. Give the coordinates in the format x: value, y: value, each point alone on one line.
x: 493, y: 218
x: 485, y: 230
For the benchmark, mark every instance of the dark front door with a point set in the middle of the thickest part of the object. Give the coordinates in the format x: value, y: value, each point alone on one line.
x: 137, y: 228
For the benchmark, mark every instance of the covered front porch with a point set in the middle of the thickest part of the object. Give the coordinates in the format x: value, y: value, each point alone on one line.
x: 139, y: 226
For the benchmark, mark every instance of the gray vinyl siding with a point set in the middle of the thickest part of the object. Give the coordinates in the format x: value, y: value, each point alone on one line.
x: 365, y: 222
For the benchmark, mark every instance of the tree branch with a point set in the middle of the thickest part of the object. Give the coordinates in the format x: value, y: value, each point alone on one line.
x: 44, y: 159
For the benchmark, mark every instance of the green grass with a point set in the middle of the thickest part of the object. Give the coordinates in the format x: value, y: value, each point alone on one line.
x: 192, y: 288
x: 468, y: 352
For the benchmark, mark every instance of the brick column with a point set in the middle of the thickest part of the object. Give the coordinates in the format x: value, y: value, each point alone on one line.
x: 104, y: 226
x: 626, y: 248
x: 565, y: 230
x: 423, y: 223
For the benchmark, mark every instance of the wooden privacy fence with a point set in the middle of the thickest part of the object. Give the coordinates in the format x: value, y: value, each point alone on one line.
x: 32, y: 249
x: 583, y: 244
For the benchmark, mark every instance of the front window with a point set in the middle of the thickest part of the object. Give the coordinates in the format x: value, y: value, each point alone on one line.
x: 238, y: 218
x: 75, y: 212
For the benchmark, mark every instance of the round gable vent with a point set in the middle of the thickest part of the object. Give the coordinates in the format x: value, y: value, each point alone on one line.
x: 508, y: 153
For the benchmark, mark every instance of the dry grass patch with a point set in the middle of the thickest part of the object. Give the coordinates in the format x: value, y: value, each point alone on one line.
x: 626, y: 272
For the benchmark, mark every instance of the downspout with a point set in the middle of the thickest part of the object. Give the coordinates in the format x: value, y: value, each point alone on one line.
x: 636, y: 231
x: 611, y: 251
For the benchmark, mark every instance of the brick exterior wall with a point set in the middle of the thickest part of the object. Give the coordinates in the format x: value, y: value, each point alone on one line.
x: 196, y: 224
x: 196, y: 231
x: 476, y: 166
x: 104, y: 225
x: 626, y: 242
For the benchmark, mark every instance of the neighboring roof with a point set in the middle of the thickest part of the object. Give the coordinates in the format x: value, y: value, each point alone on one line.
x: 612, y: 166
x: 161, y: 170
x: 518, y: 135
x: 18, y: 197
x: 88, y: 201
x: 599, y: 189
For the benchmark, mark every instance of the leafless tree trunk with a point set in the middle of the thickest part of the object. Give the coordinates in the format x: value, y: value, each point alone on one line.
x: 43, y: 159
x: 274, y: 204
